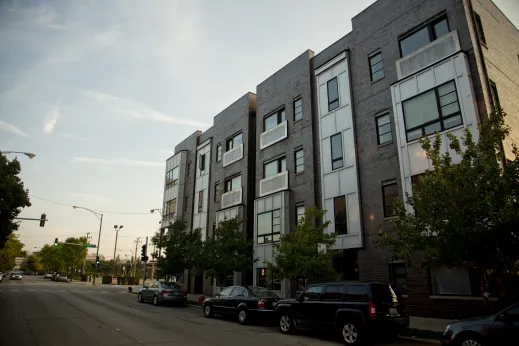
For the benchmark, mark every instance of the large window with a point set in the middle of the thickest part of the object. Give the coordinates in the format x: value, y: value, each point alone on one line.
x: 234, y: 142
x: 425, y: 35
x: 273, y: 120
x: 300, y: 161
x: 336, y: 145
x: 333, y: 94
x: 434, y: 110
x: 479, y: 28
x: 217, y: 192
x: 451, y: 281
x: 274, y: 167
x: 269, y: 226
x: 298, y: 109
x: 390, y: 196
x: 300, y: 212
x: 201, y: 165
x: 189, y: 164
x: 399, y: 276
x: 267, y: 278
x: 232, y: 184
x: 218, y: 153
x: 200, y: 201
x: 172, y: 177
x: 170, y: 208
x: 376, y: 67
x: 384, y: 129
x: 494, y: 95
x: 313, y: 293
x: 340, y: 220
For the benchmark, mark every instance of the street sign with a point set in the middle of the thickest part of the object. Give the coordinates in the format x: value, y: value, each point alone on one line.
x: 89, y: 245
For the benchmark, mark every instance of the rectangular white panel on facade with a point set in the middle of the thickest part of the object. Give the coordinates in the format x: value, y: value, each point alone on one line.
x: 231, y: 198
x: 331, y: 185
x: 328, y: 125
x: 274, y: 135
x: 326, y: 157
x: 343, y: 118
x: 348, y: 148
x: 353, y: 213
x: 443, y: 73
x: 328, y: 206
x: 425, y: 81
x: 344, y: 90
x: 348, y: 181
x: 273, y: 184
x: 233, y: 155
x: 408, y: 89
x: 323, y: 99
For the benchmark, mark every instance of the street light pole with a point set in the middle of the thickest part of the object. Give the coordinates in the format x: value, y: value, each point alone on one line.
x: 135, y: 258
x: 29, y: 155
x: 100, y: 217
x: 84, y: 260
x: 115, y: 247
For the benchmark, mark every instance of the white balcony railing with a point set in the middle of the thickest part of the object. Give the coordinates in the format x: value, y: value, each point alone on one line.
x: 274, y: 135
x: 231, y: 198
x: 428, y: 55
x: 278, y: 182
x: 233, y: 155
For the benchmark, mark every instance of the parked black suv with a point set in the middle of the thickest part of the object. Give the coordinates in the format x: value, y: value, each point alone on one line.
x: 355, y: 310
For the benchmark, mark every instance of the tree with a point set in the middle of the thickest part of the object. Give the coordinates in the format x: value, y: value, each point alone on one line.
x: 13, y: 196
x: 296, y: 256
x: 464, y: 214
x: 228, y: 251
x: 34, y: 263
x: 73, y: 255
x: 51, y: 258
x: 12, y: 249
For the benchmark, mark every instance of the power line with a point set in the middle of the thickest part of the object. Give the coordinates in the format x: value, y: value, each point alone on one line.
x: 100, y: 211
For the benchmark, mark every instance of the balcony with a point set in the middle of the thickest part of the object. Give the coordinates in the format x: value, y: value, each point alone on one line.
x: 428, y: 55
x: 231, y: 198
x: 233, y: 155
x: 278, y: 182
x: 274, y: 135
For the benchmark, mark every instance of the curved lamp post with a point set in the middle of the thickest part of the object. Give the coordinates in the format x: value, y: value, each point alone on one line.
x: 29, y: 155
x: 100, y: 217
x: 115, y: 248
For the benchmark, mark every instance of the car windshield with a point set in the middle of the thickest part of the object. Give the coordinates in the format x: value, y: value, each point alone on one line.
x: 171, y: 285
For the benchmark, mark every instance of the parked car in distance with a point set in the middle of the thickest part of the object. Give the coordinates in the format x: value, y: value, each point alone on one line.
x: 501, y: 329
x: 244, y: 302
x: 163, y: 293
x: 62, y: 278
x: 1, y: 276
x: 355, y: 310
x: 47, y: 276
x: 15, y: 276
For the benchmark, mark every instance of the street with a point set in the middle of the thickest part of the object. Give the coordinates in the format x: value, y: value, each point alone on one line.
x: 38, y: 312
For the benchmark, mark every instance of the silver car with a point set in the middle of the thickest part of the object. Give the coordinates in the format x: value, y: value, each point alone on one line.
x: 163, y: 293
x: 15, y: 276
x: 62, y: 278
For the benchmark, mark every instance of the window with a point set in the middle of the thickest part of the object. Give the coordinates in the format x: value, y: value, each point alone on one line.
x: 226, y: 291
x: 384, y: 129
x: 217, y: 192
x: 356, y: 293
x: 200, y: 201
x: 300, y: 212
x: 189, y: 168
x: 376, y: 67
x: 202, y: 162
x: 232, y: 184
x: 234, y: 142
x: 313, y: 293
x: 434, y: 110
x: 218, y: 153
x: 494, y: 95
x: 336, y: 144
x: 172, y: 176
x: 170, y: 208
x: 450, y: 281
x: 425, y: 35
x: 238, y: 292
x: 335, y: 292
x: 268, y: 279
x: 186, y: 203
x: 269, y: 226
x: 479, y: 28
x: 399, y: 276
x: 390, y: 196
x: 274, y: 167
x: 273, y: 120
x: 333, y: 94
x: 339, y: 206
x: 300, y: 161
x: 298, y: 109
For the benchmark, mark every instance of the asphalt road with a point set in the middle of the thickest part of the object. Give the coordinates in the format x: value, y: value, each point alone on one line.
x: 38, y: 312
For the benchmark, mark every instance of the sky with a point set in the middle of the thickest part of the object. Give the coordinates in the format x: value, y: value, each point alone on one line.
x: 102, y: 91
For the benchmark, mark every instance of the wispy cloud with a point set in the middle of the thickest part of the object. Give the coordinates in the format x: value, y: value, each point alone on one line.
x: 11, y: 128
x: 71, y: 136
x: 138, y: 110
x: 94, y: 198
x: 118, y: 162
x: 50, y: 120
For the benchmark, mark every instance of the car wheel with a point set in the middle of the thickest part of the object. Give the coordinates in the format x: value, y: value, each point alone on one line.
x: 155, y: 301
x: 286, y: 324
x: 242, y: 316
x: 140, y: 298
x: 350, y: 333
x: 208, y: 311
x: 471, y: 340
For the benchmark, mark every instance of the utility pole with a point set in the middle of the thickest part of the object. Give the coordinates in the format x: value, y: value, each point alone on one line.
x: 153, y: 263
x: 115, y: 247
x: 84, y: 260
x: 135, y: 258
x: 144, y: 270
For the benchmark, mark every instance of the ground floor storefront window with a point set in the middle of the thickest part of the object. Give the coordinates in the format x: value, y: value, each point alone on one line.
x: 267, y: 278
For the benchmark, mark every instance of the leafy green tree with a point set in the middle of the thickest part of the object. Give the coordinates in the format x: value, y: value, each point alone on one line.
x: 73, y: 255
x: 228, y: 251
x: 13, y: 197
x: 296, y: 256
x: 12, y: 249
x: 51, y: 258
x: 464, y: 214
x: 34, y: 263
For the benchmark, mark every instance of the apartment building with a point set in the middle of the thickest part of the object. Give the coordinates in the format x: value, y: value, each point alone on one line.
x: 340, y: 130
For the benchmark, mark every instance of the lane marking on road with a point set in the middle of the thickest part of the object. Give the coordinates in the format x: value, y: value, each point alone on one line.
x: 30, y: 290
x: 14, y: 290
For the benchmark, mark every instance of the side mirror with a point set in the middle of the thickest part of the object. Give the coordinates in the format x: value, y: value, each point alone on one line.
x: 501, y: 317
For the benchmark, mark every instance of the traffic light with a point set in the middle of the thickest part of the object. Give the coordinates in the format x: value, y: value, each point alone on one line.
x: 43, y: 219
x: 55, y: 241
x: 97, y: 261
x: 144, y: 258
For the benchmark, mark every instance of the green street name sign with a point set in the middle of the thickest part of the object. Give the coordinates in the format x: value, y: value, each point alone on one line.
x: 89, y: 245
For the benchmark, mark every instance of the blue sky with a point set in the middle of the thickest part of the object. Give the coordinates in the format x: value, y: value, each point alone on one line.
x: 102, y: 91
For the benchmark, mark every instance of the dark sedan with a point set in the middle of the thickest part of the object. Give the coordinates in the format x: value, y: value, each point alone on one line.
x: 243, y: 302
x: 500, y: 329
x: 163, y: 293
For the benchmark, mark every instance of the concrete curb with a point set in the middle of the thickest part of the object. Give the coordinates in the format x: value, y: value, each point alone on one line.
x: 429, y: 341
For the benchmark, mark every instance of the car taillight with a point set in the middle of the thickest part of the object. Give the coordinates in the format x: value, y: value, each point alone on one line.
x: 372, y: 309
x: 166, y: 292
x: 184, y: 293
x: 261, y: 303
